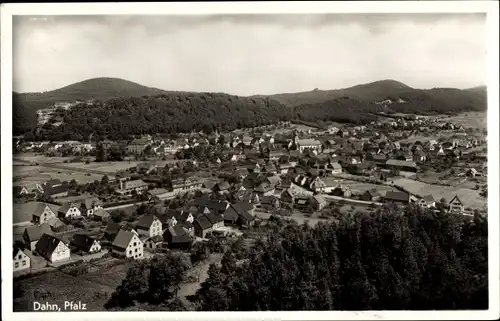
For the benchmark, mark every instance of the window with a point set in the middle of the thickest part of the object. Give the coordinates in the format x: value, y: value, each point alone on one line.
x: 16, y: 265
x: 135, y: 243
x: 130, y: 252
x: 20, y: 256
x: 24, y: 262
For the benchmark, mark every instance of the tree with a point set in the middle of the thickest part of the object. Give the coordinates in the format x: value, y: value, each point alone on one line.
x: 100, y: 153
x: 104, y: 180
x: 154, y: 282
x: 386, y: 259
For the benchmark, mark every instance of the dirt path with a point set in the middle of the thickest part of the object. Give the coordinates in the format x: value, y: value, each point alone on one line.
x: 201, y: 270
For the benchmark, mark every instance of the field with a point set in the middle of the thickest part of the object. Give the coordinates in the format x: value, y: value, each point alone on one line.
x: 469, y: 197
x: 93, y: 288
x: 27, y: 175
x: 361, y: 187
x: 470, y: 119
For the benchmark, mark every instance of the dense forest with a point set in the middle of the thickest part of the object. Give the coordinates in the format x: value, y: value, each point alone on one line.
x: 122, y: 117
x: 123, y: 108
x: 389, y: 259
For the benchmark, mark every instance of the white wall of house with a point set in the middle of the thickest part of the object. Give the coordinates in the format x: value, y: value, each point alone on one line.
x: 73, y: 212
x: 21, y: 261
x: 45, y: 216
x: 62, y: 252
x: 218, y: 225
x: 96, y: 247
x: 135, y: 248
x: 156, y: 228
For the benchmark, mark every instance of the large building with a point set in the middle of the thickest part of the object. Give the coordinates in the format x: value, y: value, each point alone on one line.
x: 127, y: 187
x: 312, y: 144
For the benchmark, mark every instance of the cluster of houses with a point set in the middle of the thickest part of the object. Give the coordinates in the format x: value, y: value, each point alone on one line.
x: 261, y: 168
x: 162, y: 228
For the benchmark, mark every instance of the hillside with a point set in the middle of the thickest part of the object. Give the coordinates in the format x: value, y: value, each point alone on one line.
x: 184, y: 111
x: 25, y: 105
x: 119, y: 118
x: 366, y: 92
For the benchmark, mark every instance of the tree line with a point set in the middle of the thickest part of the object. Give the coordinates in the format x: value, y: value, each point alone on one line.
x: 388, y: 259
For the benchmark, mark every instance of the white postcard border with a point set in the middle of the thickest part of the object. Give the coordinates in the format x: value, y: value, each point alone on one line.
x: 492, y: 67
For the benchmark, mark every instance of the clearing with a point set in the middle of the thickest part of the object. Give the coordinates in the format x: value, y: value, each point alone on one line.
x: 470, y: 198
x: 93, y: 288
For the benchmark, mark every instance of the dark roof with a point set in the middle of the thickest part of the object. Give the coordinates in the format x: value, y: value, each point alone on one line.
x: 264, y: 187
x: 202, y: 222
x: 397, y: 196
x: 34, y: 233
x: 267, y: 199
x: 177, y: 235
x: 82, y: 241
x: 66, y: 206
x: 429, y: 198
x: 242, y: 207
x: 112, y: 228
x: 223, y: 186
x: 47, y: 190
x: 230, y: 214
x: 214, y: 218
x: 101, y: 213
x: 90, y: 202
x: 47, y: 244
x: 146, y: 221
x: 246, y: 216
x: 186, y: 224
x: 122, y: 239
x: 16, y: 250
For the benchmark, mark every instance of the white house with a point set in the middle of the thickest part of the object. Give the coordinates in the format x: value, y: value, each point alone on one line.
x: 312, y: 144
x: 69, y: 210
x: 456, y: 206
x: 128, y: 244
x: 90, y: 205
x: 149, y: 225
x: 21, y: 260
x: 52, y: 248
x: 85, y: 243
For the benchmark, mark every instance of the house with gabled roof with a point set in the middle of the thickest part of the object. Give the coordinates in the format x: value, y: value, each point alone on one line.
x: 32, y: 235
x: 52, y: 248
x: 69, y: 210
x: 21, y: 261
x: 215, y: 219
x: 222, y: 187
x: 84, y: 243
x: 397, y: 197
x: 149, y: 225
x: 90, y: 205
x: 456, y: 206
x: 177, y: 238
x: 202, y: 226
x: 128, y: 244
x: 318, y: 202
x: 101, y: 215
x: 371, y: 196
x: 39, y: 212
x: 427, y: 201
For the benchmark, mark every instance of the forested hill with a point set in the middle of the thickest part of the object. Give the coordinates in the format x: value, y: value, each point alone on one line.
x: 25, y: 105
x: 136, y: 109
x: 384, y: 89
x: 180, y: 112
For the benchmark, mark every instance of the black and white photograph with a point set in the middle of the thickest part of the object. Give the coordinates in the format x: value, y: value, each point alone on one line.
x: 250, y: 161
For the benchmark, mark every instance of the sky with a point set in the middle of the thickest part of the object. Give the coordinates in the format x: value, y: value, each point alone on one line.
x: 250, y: 54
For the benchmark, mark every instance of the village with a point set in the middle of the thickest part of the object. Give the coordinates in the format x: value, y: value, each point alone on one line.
x: 168, y: 194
